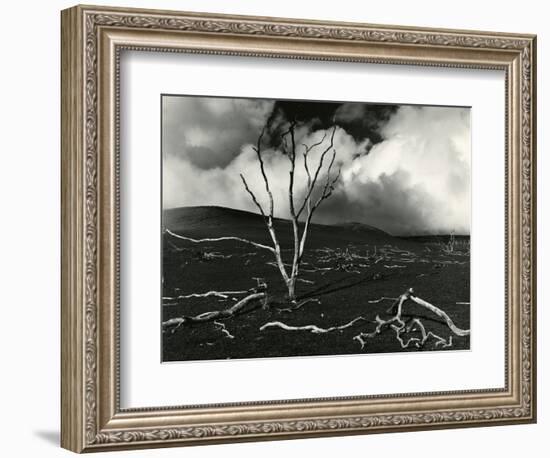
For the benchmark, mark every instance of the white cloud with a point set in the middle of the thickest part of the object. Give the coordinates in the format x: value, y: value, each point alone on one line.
x: 423, y: 164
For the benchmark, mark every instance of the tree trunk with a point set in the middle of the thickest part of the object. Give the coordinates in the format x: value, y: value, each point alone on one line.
x: 291, y: 285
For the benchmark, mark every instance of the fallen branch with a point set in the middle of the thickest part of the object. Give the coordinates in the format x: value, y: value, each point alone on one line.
x: 361, y: 337
x: 440, y: 313
x: 426, y: 335
x: 310, y: 270
x: 220, y: 239
x: 381, y: 323
x: 223, y: 329
x: 260, y: 282
x: 213, y: 315
x: 309, y: 327
x: 398, y: 325
x: 175, y: 248
x: 299, y: 305
x: 383, y: 298
x: 209, y: 255
x: 222, y: 294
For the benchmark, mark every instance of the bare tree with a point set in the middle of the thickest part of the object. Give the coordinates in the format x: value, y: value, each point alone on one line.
x: 320, y: 185
x: 306, y: 206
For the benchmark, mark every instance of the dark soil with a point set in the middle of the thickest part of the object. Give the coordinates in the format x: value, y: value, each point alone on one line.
x: 361, y: 264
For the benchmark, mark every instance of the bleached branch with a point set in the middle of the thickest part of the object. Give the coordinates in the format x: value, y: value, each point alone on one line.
x: 221, y: 294
x: 213, y: 315
x: 258, y: 151
x: 223, y: 329
x: 309, y: 327
x: 397, y: 324
x: 383, y: 298
x: 268, y: 218
x: 252, y: 195
x: 307, y: 150
x: 317, y: 173
x: 440, y: 313
x: 220, y: 239
x: 426, y: 335
x: 299, y: 305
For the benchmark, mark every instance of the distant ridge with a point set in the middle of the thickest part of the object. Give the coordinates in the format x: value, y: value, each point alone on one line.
x: 356, y: 226
x: 194, y: 217
x: 215, y: 221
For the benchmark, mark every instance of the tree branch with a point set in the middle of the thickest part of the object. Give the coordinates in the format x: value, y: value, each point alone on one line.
x: 252, y: 196
x: 330, y: 184
x: 440, y: 313
x: 221, y: 326
x: 220, y: 239
x: 258, y: 151
x: 221, y: 294
x: 317, y: 172
x: 307, y: 149
x: 294, y: 219
x: 383, y: 298
x: 309, y: 327
x: 397, y: 324
x: 213, y: 315
x: 268, y: 219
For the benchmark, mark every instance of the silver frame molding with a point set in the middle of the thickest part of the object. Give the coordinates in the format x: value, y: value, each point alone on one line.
x: 92, y: 39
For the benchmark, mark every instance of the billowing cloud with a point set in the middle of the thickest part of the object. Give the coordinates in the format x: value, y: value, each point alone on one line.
x: 413, y: 178
x: 416, y: 180
x: 209, y: 132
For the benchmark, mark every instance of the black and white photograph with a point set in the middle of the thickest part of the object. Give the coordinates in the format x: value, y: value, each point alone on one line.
x: 313, y: 228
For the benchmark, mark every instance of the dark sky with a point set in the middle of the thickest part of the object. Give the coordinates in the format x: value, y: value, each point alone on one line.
x: 358, y: 119
x: 405, y: 169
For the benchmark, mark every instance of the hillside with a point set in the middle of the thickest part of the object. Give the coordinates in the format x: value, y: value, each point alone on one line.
x: 202, y: 222
x: 349, y: 272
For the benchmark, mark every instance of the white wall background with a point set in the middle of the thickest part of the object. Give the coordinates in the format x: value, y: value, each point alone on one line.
x: 29, y: 240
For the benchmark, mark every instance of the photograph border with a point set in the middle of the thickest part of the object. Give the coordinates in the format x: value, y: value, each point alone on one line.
x: 92, y: 39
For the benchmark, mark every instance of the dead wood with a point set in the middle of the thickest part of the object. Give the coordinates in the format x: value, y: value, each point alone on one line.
x: 309, y: 327
x: 403, y: 330
x: 174, y: 323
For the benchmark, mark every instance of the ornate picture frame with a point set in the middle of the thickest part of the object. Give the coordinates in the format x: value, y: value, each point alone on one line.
x: 92, y: 41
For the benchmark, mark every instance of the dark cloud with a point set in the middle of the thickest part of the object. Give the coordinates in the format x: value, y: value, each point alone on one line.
x: 362, y: 121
